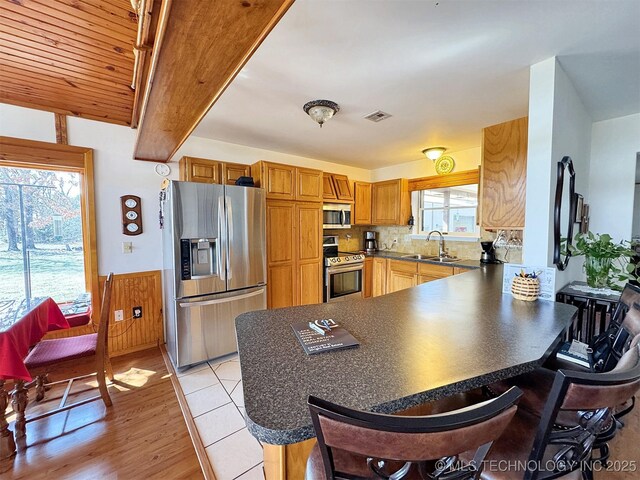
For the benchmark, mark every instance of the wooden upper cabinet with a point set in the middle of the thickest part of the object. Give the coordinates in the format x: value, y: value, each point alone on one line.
x: 309, y: 185
x: 362, y: 206
x: 504, y: 175
x: 391, y: 204
x: 201, y: 170
x: 232, y: 171
x: 343, y: 187
x: 286, y: 182
x: 278, y: 180
x: 328, y: 188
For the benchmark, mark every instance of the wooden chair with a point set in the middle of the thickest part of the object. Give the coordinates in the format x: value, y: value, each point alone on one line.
x: 49, y: 353
x: 356, y: 444
x: 575, y: 419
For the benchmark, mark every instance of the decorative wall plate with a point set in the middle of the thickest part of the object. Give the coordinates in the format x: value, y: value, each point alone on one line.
x: 445, y: 164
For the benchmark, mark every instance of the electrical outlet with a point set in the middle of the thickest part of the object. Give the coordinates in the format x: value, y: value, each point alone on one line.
x: 119, y: 315
x: 137, y: 312
x: 127, y: 247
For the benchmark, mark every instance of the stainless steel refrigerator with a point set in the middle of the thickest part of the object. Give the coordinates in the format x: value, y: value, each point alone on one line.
x: 214, y: 266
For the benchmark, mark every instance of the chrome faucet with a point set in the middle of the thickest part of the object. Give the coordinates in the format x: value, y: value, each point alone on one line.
x: 442, y: 253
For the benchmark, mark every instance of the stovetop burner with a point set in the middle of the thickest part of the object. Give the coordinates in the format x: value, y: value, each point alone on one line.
x: 343, y: 258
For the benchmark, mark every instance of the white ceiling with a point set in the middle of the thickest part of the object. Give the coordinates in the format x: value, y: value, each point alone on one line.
x: 444, y: 70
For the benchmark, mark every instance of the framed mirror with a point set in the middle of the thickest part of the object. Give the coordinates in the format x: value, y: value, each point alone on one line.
x: 564, y: 211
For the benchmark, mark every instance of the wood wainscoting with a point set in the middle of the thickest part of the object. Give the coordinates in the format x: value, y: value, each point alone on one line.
x: 139, y: 289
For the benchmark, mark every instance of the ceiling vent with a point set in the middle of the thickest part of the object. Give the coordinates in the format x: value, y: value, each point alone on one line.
x: 378, y: 116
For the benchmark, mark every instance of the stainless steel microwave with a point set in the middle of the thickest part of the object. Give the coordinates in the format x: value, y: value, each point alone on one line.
x: 336, y: 215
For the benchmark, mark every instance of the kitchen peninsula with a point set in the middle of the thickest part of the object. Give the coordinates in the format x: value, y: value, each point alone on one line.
x: 416, y: 345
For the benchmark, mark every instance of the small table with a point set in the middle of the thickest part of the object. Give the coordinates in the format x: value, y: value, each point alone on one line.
x: 595, y: 307
x: 17, y: 335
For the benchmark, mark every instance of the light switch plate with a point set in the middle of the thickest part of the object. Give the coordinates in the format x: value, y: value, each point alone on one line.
x: 127, y: 247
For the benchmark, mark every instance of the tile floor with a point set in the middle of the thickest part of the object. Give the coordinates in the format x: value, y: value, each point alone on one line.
x: 214, y: 394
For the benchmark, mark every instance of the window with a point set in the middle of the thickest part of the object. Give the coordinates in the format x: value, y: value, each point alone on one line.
x: 44, y: 206
x: 47, y: 223
x: 451, y: 210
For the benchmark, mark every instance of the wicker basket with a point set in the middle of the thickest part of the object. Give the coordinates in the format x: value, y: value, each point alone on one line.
x: 524, y: 288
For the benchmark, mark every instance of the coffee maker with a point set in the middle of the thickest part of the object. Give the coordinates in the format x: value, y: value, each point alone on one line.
x: 370, y: 242
x: 488, y: 253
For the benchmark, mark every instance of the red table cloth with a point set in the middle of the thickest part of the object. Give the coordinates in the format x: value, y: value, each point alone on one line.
x: 26, y: 332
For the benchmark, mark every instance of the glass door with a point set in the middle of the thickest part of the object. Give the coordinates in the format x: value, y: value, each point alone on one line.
x: 41, y: 248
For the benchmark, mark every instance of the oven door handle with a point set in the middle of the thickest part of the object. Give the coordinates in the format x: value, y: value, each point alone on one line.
x: 346, y: 268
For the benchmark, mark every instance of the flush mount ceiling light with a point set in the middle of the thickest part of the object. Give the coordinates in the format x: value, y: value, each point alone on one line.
x: 434, y: 153
x: 321, y: 110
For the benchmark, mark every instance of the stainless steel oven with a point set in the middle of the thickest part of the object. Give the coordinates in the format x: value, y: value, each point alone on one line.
x: 336, y: 215
x: 343, y: 282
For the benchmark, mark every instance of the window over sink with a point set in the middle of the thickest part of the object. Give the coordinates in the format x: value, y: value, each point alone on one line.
x: 450, y: 210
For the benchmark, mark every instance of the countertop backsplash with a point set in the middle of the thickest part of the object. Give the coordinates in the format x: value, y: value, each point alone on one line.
x: 407, y: 244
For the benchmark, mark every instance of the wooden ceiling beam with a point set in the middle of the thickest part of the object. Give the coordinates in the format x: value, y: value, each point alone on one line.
x: 200, y: 47
x: 61, y: 128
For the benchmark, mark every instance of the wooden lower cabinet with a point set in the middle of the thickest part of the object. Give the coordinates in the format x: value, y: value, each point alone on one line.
x: 401, y: 274
x: 281, y: 286
x: 428, y: 272
x: 379, y: 277
x: 367, y: 277
x: 287, y: 462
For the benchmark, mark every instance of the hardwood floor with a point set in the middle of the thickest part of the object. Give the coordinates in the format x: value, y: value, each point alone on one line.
x: 142, y: 436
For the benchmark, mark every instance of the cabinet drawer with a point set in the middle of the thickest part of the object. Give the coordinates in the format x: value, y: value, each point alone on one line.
x: 403, y: 266
x: 435, y: 271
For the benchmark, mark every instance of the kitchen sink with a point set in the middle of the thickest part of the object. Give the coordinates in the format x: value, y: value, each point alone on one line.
x: 417, y: 256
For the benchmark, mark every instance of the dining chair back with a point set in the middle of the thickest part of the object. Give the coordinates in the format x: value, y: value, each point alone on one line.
x: 353, y: 443
x: 588, y: 398
x: 626, y: 318
x: 49, y: 353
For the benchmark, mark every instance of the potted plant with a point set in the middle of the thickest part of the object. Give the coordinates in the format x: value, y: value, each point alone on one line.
x: 606, y: 263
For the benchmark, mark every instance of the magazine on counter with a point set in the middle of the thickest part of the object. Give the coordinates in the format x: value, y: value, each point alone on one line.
x: 333, y: 336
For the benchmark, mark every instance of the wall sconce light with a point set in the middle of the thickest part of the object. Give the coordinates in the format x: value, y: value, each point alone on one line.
x: 434, y: 153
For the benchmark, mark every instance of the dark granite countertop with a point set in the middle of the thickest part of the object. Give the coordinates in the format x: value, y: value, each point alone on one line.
x: 416, y: 345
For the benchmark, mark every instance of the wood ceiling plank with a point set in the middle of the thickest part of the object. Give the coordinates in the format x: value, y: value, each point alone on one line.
x: 93, y: 58
x: 81, y: 23
x: 37, y: 65
x: 39, y: 79
x: 54, y: 36
x: 29, y: 102
x: 66, y: 95
x: 20, y: 14
x: 26, y: 50
x: 107, y: 13
x: 207, y: 43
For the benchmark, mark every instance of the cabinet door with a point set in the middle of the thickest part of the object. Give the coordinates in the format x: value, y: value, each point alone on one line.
x: 401, y: 274
x: 309, y: 185
x: 309, y: 253
x: 368, y: 277
x: 504, y: 169
x: 200, y: 170
x: 232, y: 171
x: 343, y: 187
x: 434, y: 271
x: 379, y: 277
x: 390, y: 202
x: 328, y: 188
x: 281, y: 254
x: 278, y: 180
x: 362, y: 207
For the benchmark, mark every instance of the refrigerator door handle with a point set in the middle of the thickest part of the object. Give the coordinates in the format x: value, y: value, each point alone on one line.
x: 230, y: 238
x: 222, y: 300
x: 222, y: 263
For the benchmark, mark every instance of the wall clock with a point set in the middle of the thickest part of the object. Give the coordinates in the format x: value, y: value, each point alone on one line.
x: 131, y: 214
x: 444, y: 165
x: 162, y: 169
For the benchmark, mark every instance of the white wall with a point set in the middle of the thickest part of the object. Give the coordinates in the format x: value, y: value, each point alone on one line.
x: 468, y: 159
x: 116, y: 174
x: 559, y: 125
x: 614, y: 149
x: 635, y: 232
